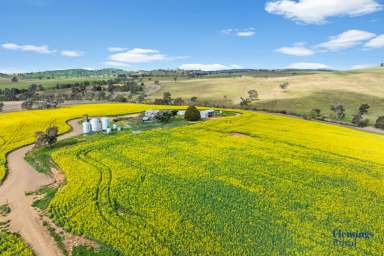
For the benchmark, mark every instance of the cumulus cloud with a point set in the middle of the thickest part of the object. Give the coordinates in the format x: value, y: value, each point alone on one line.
x: 245, y: 33
x: 138, y: 55
x: 317, y: 11
x: 296, y: 50
x: 116, y: 64
x: 308, y: 65
x: 248, y: 32
x: 116, y: 49
x: 71, y: 53
x: 208, y: 67
x: 377, y: 42
x: 346, y: 39
x: 42, y: 49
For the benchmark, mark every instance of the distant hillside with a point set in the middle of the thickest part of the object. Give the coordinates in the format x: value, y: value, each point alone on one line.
x: 4, y: 75
x: 71, y: 73
x: 305, y: 91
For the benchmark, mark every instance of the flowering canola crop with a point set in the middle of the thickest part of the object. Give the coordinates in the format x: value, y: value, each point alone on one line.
x: 254, y: 184
x: 18, y: 129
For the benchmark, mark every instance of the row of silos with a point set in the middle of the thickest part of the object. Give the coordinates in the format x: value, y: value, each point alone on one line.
x: 96, y: 125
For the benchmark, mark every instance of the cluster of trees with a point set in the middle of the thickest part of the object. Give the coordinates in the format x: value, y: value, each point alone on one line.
x: 359, y: 119
x: 165, y: 116
x: 10, y: 94
x: 253, y: 95
x: 168, y: 100
x: 121, y: 88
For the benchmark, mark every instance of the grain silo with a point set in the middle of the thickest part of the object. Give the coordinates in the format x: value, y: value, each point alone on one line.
x: 86, y: 127
x: 95, y: 125
x: 105, y: 123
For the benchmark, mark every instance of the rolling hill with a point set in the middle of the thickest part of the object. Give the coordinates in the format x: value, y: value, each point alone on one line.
x: 304, y: 93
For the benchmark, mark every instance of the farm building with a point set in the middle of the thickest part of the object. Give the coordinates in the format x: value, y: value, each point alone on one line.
x: 205, y: 114
x: 150, y: 115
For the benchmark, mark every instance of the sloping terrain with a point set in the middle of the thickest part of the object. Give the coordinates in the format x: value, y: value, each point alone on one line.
x: 233, y: 186
x: 304, y: 92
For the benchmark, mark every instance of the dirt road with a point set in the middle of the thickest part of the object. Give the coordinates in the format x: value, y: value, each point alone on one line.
x: 24, y: 219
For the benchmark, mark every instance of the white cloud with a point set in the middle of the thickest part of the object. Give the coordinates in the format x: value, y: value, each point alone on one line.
x: 308, y: 65
x: 347, y: 39
x: 248, y: 32
x: 377, y: 42
x: 317, y: 11
x: 138, y: 55
x: 236, y: 66
x: 43, y: 49
x: 116, y: 64
x: 71, y: 53
x: 116, y: 49
x: 208, y: 67
x: 245, y: 33
x: 297, y: 50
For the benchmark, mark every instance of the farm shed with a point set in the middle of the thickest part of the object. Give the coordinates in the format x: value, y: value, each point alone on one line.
x: 205, y: 114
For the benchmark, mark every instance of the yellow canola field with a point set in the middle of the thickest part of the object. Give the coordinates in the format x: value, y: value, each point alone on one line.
x: 254, y: 184
x: 17, y: 129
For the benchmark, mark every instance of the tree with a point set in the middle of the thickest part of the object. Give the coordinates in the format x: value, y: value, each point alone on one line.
x: 339, y: 111
x: 120, y: 98
x: 253, y: 95
x: 192, y: 114
x: 49, y: 137
x: 14, y: 79
x: 1, y: 106
x: 141, y: 98
x: 167, y: 98
x: 179, y: 101
x: 363, y: 109
x: 315, y: 113
x: 244, y: 102
x: 194, y: 99
x: 380, y: 122
x: 284, y: 86
x: 28, y: 104
x: 164, y: 116
x: 360, y: 121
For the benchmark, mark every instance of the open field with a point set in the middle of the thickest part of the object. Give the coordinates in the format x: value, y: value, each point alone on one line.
x: 304, y: 92
x: 233, y: 186
x: 18, y: 128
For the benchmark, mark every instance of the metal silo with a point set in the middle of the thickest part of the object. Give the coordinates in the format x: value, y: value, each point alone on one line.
x: 95, y: 125
x: 105, y: 123
x: 86, y: 127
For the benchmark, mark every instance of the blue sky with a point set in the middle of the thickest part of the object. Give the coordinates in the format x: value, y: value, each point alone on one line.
x: 191, y: 34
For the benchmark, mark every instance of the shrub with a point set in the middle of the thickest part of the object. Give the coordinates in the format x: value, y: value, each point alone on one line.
x: 192, y: 114
x: 315, y: 113
x: 360, y: 121
x: 380, y: 122
x: 164, y: 116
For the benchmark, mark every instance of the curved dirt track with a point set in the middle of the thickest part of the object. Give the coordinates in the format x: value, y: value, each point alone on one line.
x: 23, y: 218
